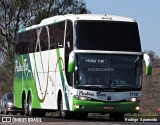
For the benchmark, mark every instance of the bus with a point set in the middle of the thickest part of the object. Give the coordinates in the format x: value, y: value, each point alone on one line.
x: 78, y: 64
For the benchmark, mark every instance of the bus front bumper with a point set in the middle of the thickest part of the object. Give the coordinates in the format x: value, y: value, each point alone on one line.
x: 105, y: 107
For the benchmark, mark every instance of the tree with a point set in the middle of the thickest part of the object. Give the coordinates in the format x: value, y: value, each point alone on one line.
x: 152, y: 54
x: 16, y: 14
x: 154, y: 58
x: 59, y: 7
x: 13, y: 15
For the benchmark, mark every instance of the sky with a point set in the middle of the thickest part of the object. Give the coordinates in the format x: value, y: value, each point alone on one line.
x: 145, y: 12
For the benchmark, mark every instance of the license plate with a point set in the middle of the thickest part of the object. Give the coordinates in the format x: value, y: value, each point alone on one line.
x: 108, y: 107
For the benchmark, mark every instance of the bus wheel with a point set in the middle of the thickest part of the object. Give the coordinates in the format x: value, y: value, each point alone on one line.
x: 63, y: 113
x: 25, y: 107
x: 117, y: 116
x: 30, y: 109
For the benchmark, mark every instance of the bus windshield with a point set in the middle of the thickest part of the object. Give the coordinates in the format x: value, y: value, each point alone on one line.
x: 108, y: 36
x: 109, y: 71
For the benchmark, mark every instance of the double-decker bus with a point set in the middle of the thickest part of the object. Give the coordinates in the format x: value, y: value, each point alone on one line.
x: 79, y: 64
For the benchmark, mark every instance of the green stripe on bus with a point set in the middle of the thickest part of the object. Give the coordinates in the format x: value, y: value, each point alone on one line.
x: 62, y: 78
x: 31, y: 84
x: 98, y: 106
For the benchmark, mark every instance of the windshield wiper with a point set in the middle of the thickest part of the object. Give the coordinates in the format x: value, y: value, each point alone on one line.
x: 128, y: 86
x: 94, y: 86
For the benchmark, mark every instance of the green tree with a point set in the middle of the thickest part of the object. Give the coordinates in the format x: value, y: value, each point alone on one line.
x: 15, y: 14
x: 58, y: 7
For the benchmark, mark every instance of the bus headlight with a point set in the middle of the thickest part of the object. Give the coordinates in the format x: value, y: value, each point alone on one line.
x: 133, y: 99
x: 137, y: 108
x: 84, y: 98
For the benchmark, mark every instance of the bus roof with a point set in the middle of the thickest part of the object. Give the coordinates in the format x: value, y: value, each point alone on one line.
x: 75, y: 17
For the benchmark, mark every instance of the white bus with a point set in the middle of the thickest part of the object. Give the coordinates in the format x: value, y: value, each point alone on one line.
x: 79, y: 64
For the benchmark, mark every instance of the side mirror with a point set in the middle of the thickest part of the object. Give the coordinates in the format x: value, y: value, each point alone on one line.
x: 71, y: 63
x: 148, y: 63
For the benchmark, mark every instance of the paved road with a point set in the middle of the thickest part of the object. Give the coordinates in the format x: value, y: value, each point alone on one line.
x: 23, y: 120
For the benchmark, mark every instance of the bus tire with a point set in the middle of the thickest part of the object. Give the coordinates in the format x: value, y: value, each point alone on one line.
x: 63, y: 113
x: 30, y: 109
x: 25, y: 107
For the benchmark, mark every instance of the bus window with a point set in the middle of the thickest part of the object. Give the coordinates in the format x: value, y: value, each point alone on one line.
x: 109, y: 36
x: 68, y: 49
x: 23, y: 43
x: 44, y: 39
x: 32, y: 39
x: 69, y: 37
x: 26, y: 42
x: 56, y: 32
x: 53, y: 43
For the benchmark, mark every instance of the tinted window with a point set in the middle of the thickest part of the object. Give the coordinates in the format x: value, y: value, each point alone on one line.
x: 44, y: 39
x: 68, y: 49
x: 26, y: 42
x: 57, y: 35
x: 109, y: 36
x: 121, y: 71
x: 22, y: 43
x: 69, y: 37
x: 32, y: 39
